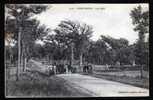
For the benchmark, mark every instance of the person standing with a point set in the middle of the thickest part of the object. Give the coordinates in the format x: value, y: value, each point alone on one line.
x: 107, y: 67
x: 66, y: 67
x: 54, y: 68
x: 90, y: 68
x: 69, y: 68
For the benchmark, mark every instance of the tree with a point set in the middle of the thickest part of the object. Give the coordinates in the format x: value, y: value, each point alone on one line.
x: 140, y: 19
x: 97, y: 52
x: 65, y: 35
x: 82, y: 43
x: 108, y: 50
x: 21, y: 14
x: 74, y: 35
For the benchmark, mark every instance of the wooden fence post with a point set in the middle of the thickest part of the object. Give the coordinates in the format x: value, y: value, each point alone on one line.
x: 141, y: 71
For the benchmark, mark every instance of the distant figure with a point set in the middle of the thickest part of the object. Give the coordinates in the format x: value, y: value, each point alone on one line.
x: 85, y: 68
x: 118, y: 64
x: 107, y: 67
x: 57, y: 69
x: 54, y: 68
x: 69, y: 68
x: 66, y: 67
x: 133, y: 63
x: 90, y: 68
x: 62, y: 68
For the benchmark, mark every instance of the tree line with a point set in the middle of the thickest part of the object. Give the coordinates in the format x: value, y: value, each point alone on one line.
x: 72, y: 40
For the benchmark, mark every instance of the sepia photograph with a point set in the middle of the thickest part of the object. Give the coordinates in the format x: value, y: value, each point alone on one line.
x: 76, y: 50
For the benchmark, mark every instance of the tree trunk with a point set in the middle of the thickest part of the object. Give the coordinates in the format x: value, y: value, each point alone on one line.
x: 81, y: 58
x: 23, y: 55
x: 72, y: 55
x: 141, y: 71
x: 11, y: 58
x: 19, y: 53
x: 22, y: 60
x: 25, y: 63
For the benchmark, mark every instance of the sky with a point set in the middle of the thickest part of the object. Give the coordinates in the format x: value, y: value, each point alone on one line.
x: 107, y: 19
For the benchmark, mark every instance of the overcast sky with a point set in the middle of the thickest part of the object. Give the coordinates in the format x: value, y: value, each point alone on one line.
x: 107, y: 19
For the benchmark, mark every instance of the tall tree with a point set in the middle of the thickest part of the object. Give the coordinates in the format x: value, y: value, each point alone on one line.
x: 21, y: 14
x: 82, y: 43
x: 140, y: 19
x: 66, y: 35
x: 75, y: 35
x: 117, y: 48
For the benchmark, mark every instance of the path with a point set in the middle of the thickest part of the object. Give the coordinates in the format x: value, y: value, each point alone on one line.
x: 104, y: 88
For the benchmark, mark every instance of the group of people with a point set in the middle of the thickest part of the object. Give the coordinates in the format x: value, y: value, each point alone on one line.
x: 61, y: 68
x: 87, y: 68
x: 67, y: 68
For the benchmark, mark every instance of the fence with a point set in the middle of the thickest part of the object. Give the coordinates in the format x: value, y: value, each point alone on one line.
x: 123, y: 70
x: 121, y: 67
x: 11, y: 70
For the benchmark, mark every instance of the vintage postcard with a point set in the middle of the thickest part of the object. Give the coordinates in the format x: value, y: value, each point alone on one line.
x: 76, y: 50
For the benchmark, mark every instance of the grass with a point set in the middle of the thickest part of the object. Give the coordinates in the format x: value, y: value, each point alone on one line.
x: 137, y: 81
x: 36, y: 85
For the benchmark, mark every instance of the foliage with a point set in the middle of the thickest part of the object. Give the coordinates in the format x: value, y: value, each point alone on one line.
x: 74, y: 33
x: 31, y: 30
x: 140, y: 19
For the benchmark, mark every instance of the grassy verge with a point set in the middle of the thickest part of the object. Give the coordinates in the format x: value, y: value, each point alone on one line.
x: 40, y: 86
x: 139, y: 82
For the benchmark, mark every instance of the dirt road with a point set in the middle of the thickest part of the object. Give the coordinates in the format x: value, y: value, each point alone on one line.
x: 103, y: 88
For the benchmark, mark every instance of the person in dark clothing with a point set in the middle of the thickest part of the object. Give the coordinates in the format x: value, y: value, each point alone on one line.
x: 90, y: 68
x: 85, y: 68
x: 58, y: 69
x: 62, y: 68
x: 69, y: 68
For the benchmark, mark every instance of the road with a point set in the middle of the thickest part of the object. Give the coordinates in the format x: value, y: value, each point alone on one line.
x: 103, y: 88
